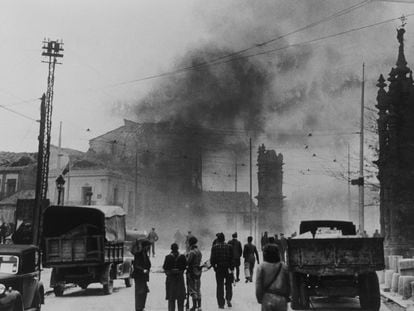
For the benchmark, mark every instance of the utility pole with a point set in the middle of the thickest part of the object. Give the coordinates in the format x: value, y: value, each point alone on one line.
x: 51, y: 51
x: 349, y: 185
x: 235, y: 174
x: 361, y: 157
x: 251, y: 198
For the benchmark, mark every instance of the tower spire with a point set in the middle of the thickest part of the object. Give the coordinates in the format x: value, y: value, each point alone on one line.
x: 401, y: 61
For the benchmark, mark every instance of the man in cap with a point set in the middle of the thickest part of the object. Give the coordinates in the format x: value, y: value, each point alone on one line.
x: 194, y: 274
x: 142, y: 266
x: 237, y: 253
x: 221, y: 260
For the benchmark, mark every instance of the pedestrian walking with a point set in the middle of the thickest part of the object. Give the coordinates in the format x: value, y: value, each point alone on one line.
x: 249, y: 253
x: 174, y: 267
x: 221, y: 260
x: 272, y: 281
x: 264, y: 240
x: 153, y: 237
x: 194, y: 274
x: 376, y: 234
x: 237, y: 253
x: 187, y: 239
x: 140, y: 274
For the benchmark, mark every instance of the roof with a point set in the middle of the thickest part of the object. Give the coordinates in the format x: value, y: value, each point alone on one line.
x: 108, y: 210
x: 15, y: 249
x: 227, y: 201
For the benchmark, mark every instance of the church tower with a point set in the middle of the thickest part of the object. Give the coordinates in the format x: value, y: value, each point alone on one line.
x: 396, y: 156
x: 270, y: 197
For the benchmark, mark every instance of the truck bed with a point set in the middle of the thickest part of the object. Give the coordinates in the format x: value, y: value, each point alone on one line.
x: 81, y: 250
x: 335, y: 256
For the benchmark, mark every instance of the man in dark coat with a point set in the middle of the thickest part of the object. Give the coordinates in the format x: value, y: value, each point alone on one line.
x: 142, y: 266
x: 221, y: 259
x: 264, y: 240
x: 187, y: 239
x: 249, y: 253
x: 174, y: 267
x: 237, y: 253
x: 153, y: 237
x: 194, y: 274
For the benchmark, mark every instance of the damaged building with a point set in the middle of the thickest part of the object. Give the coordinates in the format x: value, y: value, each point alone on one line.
x: 270, y: 197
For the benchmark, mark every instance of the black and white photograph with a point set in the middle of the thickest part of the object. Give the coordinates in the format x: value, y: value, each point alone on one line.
x: 202, y: 155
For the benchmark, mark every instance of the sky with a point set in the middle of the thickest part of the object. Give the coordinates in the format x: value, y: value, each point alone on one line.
x: 111, y: 47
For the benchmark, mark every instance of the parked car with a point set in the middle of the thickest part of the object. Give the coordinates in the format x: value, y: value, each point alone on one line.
x: 20, y: 285
x: 84, y: 245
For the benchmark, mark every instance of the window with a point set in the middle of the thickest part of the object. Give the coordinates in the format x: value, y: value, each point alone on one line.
x: 115, y: 197
x: 130, y: 202
x: 230, y: 220
x: 246, y: 220
x: 86, y: 195
x: 11, y: 186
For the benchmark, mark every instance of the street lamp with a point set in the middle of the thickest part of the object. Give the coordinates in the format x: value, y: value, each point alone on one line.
x: 60, y: 182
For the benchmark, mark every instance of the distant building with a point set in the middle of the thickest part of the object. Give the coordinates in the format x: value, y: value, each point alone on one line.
x: 90, y: 183
x: 228, y: 212
x: 164, y: 160
x: 270, y: 197
x: 396, y: 156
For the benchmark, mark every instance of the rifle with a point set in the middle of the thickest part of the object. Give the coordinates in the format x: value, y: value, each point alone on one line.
x: 187, y: 295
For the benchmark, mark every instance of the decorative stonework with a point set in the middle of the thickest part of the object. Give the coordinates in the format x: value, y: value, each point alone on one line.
x: 396, y: 155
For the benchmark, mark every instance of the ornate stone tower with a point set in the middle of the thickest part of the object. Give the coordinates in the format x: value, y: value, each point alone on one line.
x: 396, y: 156
x: 270, y: 197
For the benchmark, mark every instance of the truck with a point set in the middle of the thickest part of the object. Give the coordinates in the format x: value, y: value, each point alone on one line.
x: 328, y: 259
x: 84, y: 245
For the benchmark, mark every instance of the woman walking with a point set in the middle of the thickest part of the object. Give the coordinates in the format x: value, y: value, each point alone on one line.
x: 272, y: 281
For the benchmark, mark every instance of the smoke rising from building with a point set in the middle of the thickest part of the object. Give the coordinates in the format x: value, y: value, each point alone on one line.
x: 282, y: 96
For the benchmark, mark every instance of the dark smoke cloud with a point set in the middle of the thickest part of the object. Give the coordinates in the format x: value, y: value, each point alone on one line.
x: 210, y: 98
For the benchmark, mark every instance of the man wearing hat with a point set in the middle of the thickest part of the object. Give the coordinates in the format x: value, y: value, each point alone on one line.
x: 194, y: 274
x: 142, y: 266
x: 221, y: 260
x: 174, y: 267
x: 237, y: 253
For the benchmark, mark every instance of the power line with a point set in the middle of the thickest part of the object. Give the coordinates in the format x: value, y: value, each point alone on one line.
x: 18, y: 113
x: 195, y: 67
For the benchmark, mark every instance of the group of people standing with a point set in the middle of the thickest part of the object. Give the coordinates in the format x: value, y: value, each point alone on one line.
x: 272, y: 281
x: 175, y: 266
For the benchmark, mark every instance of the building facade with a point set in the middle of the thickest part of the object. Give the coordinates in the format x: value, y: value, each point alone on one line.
x: 396, y: 155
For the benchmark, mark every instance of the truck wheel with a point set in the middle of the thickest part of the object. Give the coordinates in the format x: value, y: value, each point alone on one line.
x: 128, y: 282
x: 369, y: 292
x: 58, y: 290
x: 109, y: 287
x: 300, y: 297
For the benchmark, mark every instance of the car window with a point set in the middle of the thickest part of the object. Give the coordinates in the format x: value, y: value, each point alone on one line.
x: 9, y: 264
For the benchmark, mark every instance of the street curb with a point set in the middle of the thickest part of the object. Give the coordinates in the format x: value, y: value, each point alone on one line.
x: 407, y: 304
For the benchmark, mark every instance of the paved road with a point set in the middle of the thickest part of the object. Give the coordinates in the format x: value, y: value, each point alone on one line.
x: 91, y: 299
